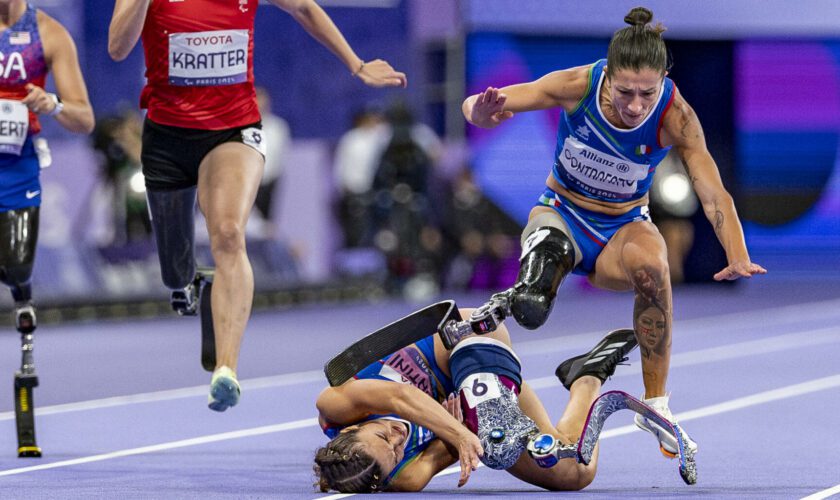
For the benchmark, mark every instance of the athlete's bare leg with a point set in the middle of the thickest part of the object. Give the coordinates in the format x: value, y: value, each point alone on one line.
x: 636, y: 258
x: 227, y: 186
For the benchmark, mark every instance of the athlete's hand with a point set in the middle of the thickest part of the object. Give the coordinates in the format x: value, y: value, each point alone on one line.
x: 739, y: 269
x: 469, y: 451
x: 453, y: 406
x: 488, y: 109
x: 379, y: 73
x: 38, y: 100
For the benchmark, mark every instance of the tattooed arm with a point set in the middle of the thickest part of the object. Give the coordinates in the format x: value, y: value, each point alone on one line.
x: 682, y: 129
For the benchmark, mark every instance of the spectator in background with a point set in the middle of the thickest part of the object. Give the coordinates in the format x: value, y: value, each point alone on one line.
x: 483, y: 239
x: 117, y: 138
x: 278, y: 138
x: 405, y: 227
x: 356, y: 160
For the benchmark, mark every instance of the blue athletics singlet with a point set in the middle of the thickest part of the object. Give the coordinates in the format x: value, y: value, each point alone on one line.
x: 413, y: 365
x: 599, y: 161
x: 22, y: 62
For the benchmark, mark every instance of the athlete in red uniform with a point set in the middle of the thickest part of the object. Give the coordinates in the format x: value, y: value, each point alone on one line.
x: 202, y: 138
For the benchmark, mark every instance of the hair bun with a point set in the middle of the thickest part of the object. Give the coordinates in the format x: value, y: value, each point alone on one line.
x: 639, y: 16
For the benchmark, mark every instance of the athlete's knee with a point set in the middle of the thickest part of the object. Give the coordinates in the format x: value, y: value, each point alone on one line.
x: 575, y: 478
x: 648, y: 272
x: 487, y: 374
x: 548, y: 256
x: 227, y: 237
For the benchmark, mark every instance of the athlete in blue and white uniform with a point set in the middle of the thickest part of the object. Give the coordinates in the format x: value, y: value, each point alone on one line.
x: 403, y: 419
x: 620, y: 116
x: 31, y: 44
x: 415, y: 365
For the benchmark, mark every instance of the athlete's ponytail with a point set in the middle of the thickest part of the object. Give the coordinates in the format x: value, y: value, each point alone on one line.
x: 639, y: 45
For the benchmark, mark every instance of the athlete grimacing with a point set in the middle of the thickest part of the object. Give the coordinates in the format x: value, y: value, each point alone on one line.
x: 620, y: 116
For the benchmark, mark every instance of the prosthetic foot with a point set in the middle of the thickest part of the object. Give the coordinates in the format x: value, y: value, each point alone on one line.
x: 601, y: 361
x: 613, y: 401
x: 25, y: 381
x: 668, y: 444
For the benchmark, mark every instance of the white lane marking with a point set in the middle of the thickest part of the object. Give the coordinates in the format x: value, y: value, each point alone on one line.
x: 788, y: 341
x: 706, y: 411
x: 790, y: 391
x: 780, y: 315
x: 185, y: 392
x: 212, y: 438
x: 820, y: 495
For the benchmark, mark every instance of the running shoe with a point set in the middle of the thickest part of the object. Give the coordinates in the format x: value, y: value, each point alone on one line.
x: 667, y: 442
x: 224, y: 389
x: 601, y: 361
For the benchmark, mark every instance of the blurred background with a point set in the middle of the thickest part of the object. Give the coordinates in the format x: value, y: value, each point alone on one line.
x: 371, y: 193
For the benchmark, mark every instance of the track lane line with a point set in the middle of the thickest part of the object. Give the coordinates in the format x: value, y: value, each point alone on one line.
x: 781, y: 393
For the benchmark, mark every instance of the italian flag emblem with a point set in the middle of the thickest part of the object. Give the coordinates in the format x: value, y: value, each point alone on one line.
x: 643, y: 149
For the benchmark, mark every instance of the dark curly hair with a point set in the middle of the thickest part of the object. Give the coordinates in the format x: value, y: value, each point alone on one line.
x: 342, y: 465
x: 639, y: 45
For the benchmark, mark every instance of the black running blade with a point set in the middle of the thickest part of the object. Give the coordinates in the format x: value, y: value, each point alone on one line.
x: 25, y: 415
x: 208, y: 334
x: 393, y: 337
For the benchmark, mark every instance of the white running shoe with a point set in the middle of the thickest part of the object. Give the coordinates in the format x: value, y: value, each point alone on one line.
x: 667, y: 443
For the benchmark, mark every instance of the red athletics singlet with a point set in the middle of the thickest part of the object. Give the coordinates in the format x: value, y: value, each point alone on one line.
x: 199, y: 63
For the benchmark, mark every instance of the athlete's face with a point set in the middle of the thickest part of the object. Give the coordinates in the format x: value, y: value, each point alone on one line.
x: 384, y: 441
x: 634, y: 93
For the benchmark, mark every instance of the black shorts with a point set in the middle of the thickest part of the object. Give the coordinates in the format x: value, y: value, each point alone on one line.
x: 171, y: 155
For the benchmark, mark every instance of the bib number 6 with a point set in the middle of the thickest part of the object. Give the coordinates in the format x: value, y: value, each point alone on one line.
x: 480, y: 387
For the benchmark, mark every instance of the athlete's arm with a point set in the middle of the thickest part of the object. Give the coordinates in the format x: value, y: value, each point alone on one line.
x: 126, y: 27
x: 417, y: 474
x: 63, y: 62
x: 682, y: 129
x: 356, y: 399
x: 317, y: 23
x: 557, y: 89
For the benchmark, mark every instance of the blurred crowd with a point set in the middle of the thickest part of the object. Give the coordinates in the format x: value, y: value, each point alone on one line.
x: 431, y: 226
x: 405, y: 218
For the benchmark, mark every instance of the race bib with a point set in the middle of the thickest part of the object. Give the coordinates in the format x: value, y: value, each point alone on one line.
x: 480, y: 387
x: 208, y: 58
x: 14, y: 125
x: 599, y: 173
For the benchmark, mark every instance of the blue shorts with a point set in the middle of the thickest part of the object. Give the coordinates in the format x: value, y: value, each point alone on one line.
x: 590, y: 230
x: 20, y: 185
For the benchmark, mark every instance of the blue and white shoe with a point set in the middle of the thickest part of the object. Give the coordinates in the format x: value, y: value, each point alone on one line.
x: 224, y: 389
